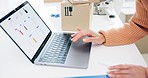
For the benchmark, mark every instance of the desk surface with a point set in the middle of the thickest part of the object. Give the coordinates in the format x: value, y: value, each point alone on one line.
x: 14, y: 63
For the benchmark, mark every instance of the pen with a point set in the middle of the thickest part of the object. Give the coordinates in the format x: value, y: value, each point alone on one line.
x: 103, y: 64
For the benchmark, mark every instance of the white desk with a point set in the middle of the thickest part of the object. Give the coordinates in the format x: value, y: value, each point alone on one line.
x: 14, y: 63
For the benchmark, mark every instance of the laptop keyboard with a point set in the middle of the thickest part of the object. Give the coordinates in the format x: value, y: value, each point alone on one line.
x: 58, y: 49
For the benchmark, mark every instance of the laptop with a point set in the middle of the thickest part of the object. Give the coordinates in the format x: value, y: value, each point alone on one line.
x: 39, y: 44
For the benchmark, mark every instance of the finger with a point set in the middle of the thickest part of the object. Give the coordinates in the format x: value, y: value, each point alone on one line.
x: 77, y: 37
x: 92, y: 39
x: 89, y: 39
x: 80, y: 34
x: 79, y: 29
x: 119, y: 76
x: 120, y: 72
x: 119, y: 67
x: 73, y: 35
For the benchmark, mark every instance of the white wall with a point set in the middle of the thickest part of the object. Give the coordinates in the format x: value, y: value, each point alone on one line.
x: 118, y: 5
x: 3, y: 6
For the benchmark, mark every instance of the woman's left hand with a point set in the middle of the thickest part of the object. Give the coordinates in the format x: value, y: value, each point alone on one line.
x: 127, y: 71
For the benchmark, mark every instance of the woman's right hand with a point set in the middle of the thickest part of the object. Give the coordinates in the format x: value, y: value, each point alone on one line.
x: 91, y: 36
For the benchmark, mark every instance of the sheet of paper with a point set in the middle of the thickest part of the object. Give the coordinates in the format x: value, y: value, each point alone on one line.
x: 96, y: 76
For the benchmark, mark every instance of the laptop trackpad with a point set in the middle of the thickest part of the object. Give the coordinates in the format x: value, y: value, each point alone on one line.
x: 79, y: 54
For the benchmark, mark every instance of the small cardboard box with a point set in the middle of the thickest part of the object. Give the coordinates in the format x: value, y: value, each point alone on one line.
x: 73, y: 16
x: 52, y: 1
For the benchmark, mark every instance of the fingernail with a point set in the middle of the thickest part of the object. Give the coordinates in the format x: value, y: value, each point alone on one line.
x: 73, y: 40
x: 72, y: 35
x: 84, y: 40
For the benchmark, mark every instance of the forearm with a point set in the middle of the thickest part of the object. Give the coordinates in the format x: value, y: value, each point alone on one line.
x: 127, y: 34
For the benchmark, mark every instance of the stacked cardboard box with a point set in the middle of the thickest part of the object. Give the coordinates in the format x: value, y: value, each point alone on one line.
x: 75, y: 13
x: 72, y: 1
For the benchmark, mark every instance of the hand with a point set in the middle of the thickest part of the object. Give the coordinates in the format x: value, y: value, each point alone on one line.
x: 92, y: 36
x: 127, y: 71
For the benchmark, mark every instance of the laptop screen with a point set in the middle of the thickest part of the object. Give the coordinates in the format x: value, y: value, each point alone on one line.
x: 26, y: 29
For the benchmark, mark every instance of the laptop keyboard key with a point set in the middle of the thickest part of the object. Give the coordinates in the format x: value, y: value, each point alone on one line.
x: 58, y: 49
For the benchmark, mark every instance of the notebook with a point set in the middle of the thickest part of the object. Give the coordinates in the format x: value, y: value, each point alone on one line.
x: 39, y: 44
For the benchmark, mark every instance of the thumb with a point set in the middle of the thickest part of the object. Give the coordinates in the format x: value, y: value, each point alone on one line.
x: 93, y: 39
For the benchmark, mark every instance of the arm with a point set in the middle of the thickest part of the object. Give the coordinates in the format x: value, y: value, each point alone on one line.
x: 131, y: 32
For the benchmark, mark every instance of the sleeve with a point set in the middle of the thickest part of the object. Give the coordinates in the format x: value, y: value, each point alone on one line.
x: 131, y: 32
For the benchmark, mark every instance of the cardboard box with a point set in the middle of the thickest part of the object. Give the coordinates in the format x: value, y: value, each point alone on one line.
x: 73, y: 16
x: 72, y: 1
x: 78, y: 1
x: 52, y: 1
